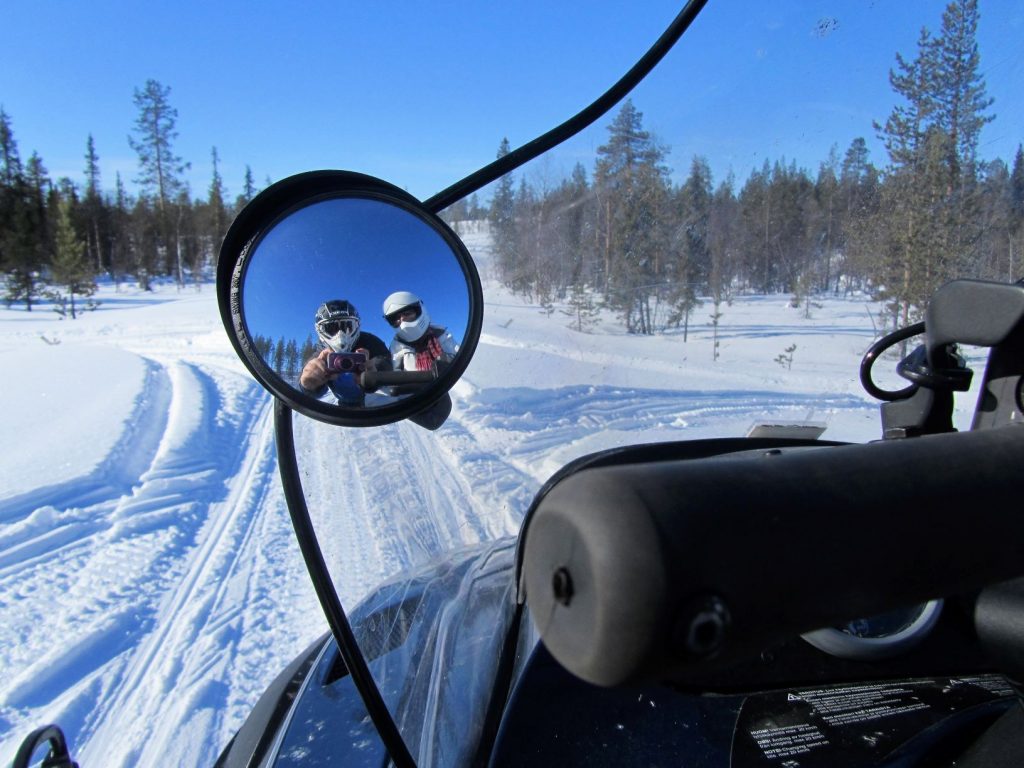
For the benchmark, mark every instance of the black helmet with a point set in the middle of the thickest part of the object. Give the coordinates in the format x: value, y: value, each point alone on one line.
x: 337, y: 325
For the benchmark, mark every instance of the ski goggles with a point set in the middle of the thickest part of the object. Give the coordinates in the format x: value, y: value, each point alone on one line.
x: 334, y: 327
x: 406, y: 314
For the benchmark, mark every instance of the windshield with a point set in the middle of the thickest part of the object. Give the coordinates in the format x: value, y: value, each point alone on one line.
x: 715, y: 254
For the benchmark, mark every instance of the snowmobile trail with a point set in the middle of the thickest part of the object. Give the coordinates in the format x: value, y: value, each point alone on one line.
x: 133, y: 577
x: 164, y: 663
x: 114, y: 476
x: 398, y: 496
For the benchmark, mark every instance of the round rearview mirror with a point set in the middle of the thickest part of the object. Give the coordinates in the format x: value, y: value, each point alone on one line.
x: 348, y: 300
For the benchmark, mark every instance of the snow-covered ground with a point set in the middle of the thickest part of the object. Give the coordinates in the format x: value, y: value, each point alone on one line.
x: 150, y: 586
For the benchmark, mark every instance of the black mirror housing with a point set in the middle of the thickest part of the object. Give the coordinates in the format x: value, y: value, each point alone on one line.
x: 323, y: 236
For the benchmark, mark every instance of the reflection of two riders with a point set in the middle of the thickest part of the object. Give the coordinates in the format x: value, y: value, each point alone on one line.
x: 417, y: 345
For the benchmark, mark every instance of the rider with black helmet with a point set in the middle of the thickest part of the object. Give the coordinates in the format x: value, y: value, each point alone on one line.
x: 339, y: 330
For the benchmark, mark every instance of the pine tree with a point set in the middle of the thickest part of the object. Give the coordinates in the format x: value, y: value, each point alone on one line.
x: 961, y: 114
x: 217, y: 216
x: 190, y: 254
x: 931, y: 216
x: 1016, y: 214
x: 826, y: 222
x: 145, y: 240
x: 22, y: 222
x: 279, y: 356
x: 120, y: 240
x: 960, y: 94
x: 859, y: 201
x: 21, y: 248
x: 695, y: 212
x: 10, y: 161
x: 631, y: 184
x: 159, y: 168
x: 503, y: 225
x: 755, y: 231
x: 309, y: 349
x: 687, y: 267
x: 70, y: 267
x: 93, y: 205
x: 292, y: 362
x: 995, y: 249
x: 582, y: 307
x: 723, y: 223
x: 248, y: 190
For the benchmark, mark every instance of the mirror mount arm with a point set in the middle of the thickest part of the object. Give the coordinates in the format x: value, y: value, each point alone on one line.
x: 326, y: 594
x: 574, y: 124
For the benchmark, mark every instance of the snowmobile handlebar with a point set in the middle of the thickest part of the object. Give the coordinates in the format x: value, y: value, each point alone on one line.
x: 668, y: 570
x: 374, y: 380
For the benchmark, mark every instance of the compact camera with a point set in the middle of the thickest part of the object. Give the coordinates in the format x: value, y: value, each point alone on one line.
x: 346, y: 362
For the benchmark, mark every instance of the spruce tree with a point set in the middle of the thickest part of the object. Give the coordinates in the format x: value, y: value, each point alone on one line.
x: 248, y: 190
x: 688, y: 263
x: 93, y: 206
x: 1016, y: 214
x: 70, y: 268
x: 859, y: 200
x: 10, y: 161
x: 755, y: 231
x: 503, y: 225
x: 120, y: 245
x: 22, y: 222
x: 217, y: 216
x: 826, y: 223
x: 722, y: 227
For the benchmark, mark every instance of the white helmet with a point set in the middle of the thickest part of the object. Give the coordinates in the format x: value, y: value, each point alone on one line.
x: 405, y: 312
x: 337, y: 325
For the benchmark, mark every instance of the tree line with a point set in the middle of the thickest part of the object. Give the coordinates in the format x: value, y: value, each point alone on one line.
x: 626, y: 238
x: 286, y: 357
x: 622, y: 236
x: 58, y: 237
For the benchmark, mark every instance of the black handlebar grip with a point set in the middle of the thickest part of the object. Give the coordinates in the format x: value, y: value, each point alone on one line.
x: 669, y: 570
x: 374, y: 380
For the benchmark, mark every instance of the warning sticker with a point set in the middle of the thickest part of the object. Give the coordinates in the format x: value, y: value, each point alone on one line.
x: 789, y: 740
x: 856, y: 725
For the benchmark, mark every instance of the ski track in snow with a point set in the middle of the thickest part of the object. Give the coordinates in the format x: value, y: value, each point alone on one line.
x: 122, y: 466
x: 147, y: 566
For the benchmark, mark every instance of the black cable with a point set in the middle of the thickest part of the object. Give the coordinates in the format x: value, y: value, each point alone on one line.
x: 877, y: 349
x: 325, y: 592
x: 575, y: 124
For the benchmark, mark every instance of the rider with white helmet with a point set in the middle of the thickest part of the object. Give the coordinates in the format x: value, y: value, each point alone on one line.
x: 418, y: 345
x: 339, y: 329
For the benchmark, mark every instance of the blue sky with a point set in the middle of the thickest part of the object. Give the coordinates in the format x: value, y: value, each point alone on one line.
x: 422, y: 94
x: 359, y: 250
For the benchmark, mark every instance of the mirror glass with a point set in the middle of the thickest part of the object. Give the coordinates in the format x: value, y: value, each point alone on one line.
x: 351, y: 252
